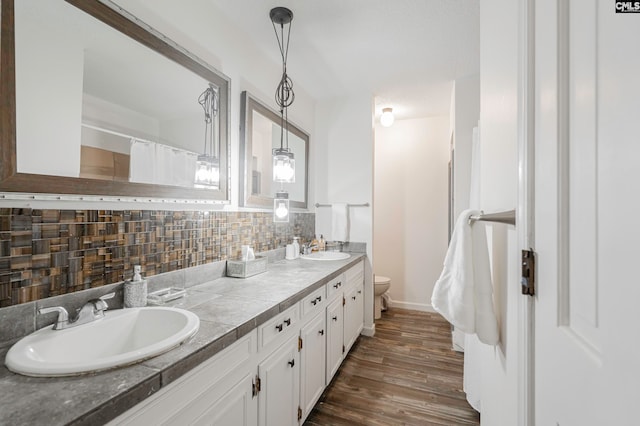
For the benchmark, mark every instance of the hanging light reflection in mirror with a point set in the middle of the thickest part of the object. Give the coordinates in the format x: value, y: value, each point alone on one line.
x: 281, y: 207
x: 283, y: 161
x: 208, y: 163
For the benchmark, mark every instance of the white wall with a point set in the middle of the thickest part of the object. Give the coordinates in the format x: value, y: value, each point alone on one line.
x: 411, y: 207
x: 499, y: 178
x: 466, y: 110
x: 343, y: 152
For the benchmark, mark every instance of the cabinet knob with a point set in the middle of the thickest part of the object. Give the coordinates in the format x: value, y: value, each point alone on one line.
x: 359, y: 291
x: 321, y: 332
x: 288, y: 322
x: 353, y: 297
x: 279, y: 327
x: 335, y: 318
x: 292, y: 363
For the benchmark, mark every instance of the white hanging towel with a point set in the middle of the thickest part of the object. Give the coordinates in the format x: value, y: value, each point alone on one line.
x: 340, y: 222
x: 463, y: 294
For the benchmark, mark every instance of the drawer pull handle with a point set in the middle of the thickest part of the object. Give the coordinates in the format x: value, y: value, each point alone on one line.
x: 314, y: 301
x: 279, y: 327
x: 288, y: 322
x: 353, y: 297
x: 321, y: 332
x: 292, y: 363
x: 338, y: 284
x: 335, y: 318
x: 319, y: 298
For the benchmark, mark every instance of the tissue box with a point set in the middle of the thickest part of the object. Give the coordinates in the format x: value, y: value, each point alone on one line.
x: 246, y: 268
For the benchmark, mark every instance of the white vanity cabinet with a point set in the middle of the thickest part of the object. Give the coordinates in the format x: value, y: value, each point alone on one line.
x: 272, y: 376
x: 335, y: 337
x: 312, y: 361
x: 217, y: 392
x: 279, y: 395
x: 345, y: 316
x: 353, y: 311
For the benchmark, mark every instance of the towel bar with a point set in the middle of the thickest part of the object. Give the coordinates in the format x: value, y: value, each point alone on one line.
x: 350, y: 205
x: 508, y: 217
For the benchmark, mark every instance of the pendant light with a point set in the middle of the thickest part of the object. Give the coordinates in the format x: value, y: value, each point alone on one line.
x: 208, y: 163
x: 284, y: 169
x: 281, y: 207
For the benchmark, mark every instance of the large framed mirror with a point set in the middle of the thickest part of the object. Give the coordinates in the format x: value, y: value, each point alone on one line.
x: 95, y: 102
x: 259, y: 133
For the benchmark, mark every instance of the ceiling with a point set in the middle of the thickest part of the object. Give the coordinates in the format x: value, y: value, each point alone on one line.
x: 407, y: 53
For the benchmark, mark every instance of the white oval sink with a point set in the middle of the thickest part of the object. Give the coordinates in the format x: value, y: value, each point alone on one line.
x: 326, y: 255
x: 122, y: 337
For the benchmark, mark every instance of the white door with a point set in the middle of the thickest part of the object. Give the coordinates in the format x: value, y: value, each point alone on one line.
x: 335, y: 336
x: 312, y: 362
x: 587, y: 203
x: 279, y: 396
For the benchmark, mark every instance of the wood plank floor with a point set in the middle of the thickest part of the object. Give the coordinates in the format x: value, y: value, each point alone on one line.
x: 406, y: 375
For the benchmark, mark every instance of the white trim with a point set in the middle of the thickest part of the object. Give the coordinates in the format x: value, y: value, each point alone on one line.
x: 525, y: 218
x: 369, y: 331
x: 422, y: 307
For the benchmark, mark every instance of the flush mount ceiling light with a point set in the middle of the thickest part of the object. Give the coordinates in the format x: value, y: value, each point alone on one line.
x: 208, y: 163
x: 283, y: 161
x: 281, y: 207
x: 386, y: 119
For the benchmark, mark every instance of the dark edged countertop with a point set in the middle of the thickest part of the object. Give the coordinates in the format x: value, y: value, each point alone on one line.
x: 228, y: 309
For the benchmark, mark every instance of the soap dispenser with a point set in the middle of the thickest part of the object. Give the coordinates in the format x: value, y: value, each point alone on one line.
x: 135, y: 291
x: 322, y: 244
x: 296, y: 247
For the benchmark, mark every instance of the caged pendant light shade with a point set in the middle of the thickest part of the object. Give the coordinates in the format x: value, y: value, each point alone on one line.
x: 208, y: 163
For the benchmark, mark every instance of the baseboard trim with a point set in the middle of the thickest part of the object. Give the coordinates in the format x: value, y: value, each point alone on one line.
x: 369, y: 331
x: 422, y: 307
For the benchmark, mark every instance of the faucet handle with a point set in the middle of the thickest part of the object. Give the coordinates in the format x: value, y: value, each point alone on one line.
x: 63, y: 315
x: 100, y: 303
x: 108, y: 296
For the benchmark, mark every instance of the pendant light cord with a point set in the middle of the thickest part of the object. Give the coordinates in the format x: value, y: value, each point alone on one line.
x: 284, y: 91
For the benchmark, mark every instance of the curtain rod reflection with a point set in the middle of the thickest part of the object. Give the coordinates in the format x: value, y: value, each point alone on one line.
x: 349, y: 204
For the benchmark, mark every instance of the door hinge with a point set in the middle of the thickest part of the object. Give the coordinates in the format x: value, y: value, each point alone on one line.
x: 299, y: 413
x: 299, y: 343
x: 528, y: 280
x: 343, y: 301
x: 255, y: 386
x: 342, y: 348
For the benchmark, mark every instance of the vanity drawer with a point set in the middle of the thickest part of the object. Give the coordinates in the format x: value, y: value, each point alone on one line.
x: 314, y: 302
x: 278, y: 325
x: 355, y: 273
x: 336, y: 285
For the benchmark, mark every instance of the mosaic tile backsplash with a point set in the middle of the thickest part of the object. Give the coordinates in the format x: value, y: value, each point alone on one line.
x: 52, y: 252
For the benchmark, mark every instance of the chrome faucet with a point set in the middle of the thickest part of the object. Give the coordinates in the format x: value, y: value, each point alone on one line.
x: 91, y: 311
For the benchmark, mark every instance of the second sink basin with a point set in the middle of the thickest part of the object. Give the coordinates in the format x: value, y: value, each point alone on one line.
x: 122, y: 337
x: 326, y: 255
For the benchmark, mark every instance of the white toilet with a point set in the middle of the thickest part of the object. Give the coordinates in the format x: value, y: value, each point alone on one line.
x: 381, y: 285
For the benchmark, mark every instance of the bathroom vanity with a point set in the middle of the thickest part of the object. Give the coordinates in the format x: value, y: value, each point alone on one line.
x: 266, y: 349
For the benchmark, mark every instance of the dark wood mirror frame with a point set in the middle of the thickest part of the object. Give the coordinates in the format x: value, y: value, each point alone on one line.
x: 12, y: 181
x: 249, y: 104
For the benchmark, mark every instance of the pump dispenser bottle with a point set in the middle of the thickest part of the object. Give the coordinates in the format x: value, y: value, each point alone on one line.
x: 135, y: 291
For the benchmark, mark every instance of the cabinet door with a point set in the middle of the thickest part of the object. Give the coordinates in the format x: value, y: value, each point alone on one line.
x: 312, y: 363
x: 279, y: 396
x: 353, y: 316
x: 236, y: 407
x: 335, y: 342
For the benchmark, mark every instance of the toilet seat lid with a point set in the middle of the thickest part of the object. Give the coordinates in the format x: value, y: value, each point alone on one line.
x: 380, y: 279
